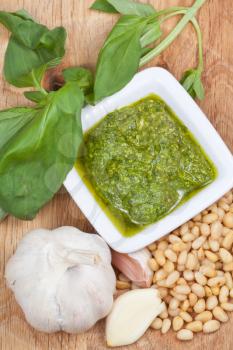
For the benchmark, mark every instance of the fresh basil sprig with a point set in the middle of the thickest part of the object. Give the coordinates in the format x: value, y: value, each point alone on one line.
x: 118, y: 59
x: 32, y: 49
x: 125, y: 7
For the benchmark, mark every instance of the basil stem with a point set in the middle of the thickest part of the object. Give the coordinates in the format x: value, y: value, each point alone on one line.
x: 190, y: 13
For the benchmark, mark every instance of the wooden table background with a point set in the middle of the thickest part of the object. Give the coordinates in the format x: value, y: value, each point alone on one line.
x: 86, y: 32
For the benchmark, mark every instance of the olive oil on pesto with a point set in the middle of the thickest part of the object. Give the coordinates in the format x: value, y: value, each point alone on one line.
x: 140, y: 162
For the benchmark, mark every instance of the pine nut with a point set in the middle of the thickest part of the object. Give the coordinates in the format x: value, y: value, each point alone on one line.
x: 208, y: 291
x: 211, y: 326
x: 195, y: 326
x: 163, y: 315
x: 180, y: 297
x: 123, y: 285
x: 182, y: 258
x: 220, y: 314
x: 199, y: 306
x: 208, y: 271
x: 162, y: 291
x: 181, y: 281
x: 215, y: 290
x: 174, y: 304
x: 185, y: 305
x: 229, y: 280
x: 171, y: 255
x: 178, y: 247
x: 223, y: 294
x: 160, y: 275
x: 172, y: 278
x: 225, y: 256
x: 228, y: 267
x: 228, y: 240
x: 153, y: 264
x: 169, y: 266
x: 177, y: 323
x: 185, y: 335
x: 162, y: 245
x: 227, y: 306
x: 160, y: 258
x: 205, y: 229
x: 184, y: 229
x: 191, y: 262
x: 173, y: 313
x: 198, y: 242
x: 216, y: 281
x: 192, y: 299
x: 188, y: 237
x: 200, y: 278
x: 216, y: 230
x: 204, y: 316
x: 186, y: 316
x: 198, y: 290
x: 157, y: 323
x: 162, y: 283
x: 231, y: 293
x: 197, y: 217
x: 166, y: 325
x: 214, y: 245
x: 195, y: 231
x: 211, y: 302
x: 152, y: 247
x: 228, y: 220
x: 182, y: 289
x: 210, y: 218
x: 174, y: 239
x: 211, y: 256
x: 188, y: 275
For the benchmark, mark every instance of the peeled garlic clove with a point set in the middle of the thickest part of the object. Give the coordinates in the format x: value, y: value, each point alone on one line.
x: 131, y: 315
x: 134, y: 266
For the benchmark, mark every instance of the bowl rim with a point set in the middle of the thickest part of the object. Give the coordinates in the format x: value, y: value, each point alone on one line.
x: 158, y: 81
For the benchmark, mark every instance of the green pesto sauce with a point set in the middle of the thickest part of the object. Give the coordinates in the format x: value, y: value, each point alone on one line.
x: 140, y: 162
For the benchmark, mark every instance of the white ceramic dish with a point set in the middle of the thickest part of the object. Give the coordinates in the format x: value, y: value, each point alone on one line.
x: 162, y: 83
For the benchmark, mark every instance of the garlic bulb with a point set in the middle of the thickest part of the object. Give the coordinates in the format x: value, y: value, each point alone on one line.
x: 134, y: 266
x: 62, y: 279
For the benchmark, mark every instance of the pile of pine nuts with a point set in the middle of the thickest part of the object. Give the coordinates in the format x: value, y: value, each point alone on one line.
x: 193, y: 271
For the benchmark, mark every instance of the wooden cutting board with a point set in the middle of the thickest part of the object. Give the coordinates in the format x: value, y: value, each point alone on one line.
x: 86, y: 33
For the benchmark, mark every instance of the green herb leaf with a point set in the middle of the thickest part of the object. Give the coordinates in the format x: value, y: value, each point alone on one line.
x: 125, y: 7
x: 32, y: 49
x: 104, y: 6
x: 152, y: 33
x: 119, y: 58
x: 36, y: 157
x: 3, y: 214
x: 34, y: 96
x: 82, y: 76
x: 192, y: 83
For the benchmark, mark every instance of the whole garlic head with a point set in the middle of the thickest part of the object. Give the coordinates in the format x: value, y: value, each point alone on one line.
x: 62, y: 279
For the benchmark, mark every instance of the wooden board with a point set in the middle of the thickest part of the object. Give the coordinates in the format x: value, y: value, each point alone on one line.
x: 86, y: 32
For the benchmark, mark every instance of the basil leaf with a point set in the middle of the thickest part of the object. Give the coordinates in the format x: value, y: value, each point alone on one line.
x: 104, y: 6
x: 191, y: 81
x: 82, y: 76
x: 36, y: 159
x: 119, y: 58
x: 3, y: 214
x: 34, y: 96
x: 12, y: 121
x: 125, y: 7
x: 32, y: 49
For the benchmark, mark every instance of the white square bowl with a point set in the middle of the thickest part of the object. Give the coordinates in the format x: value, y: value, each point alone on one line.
x: 162, y: 83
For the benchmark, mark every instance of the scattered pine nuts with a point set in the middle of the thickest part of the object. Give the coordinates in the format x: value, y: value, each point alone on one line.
x: 193, y: 272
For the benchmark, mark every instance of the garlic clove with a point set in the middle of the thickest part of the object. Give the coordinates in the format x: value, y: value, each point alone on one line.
x: 131, y: 315
x: 134, y: 266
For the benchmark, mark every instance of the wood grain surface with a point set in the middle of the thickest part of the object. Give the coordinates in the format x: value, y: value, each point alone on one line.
x: 86, y: 32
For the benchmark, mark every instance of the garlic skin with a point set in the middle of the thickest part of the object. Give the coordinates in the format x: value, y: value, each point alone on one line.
x: 62, y: 279
x: 134, y: 266
x: 131, y: 315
